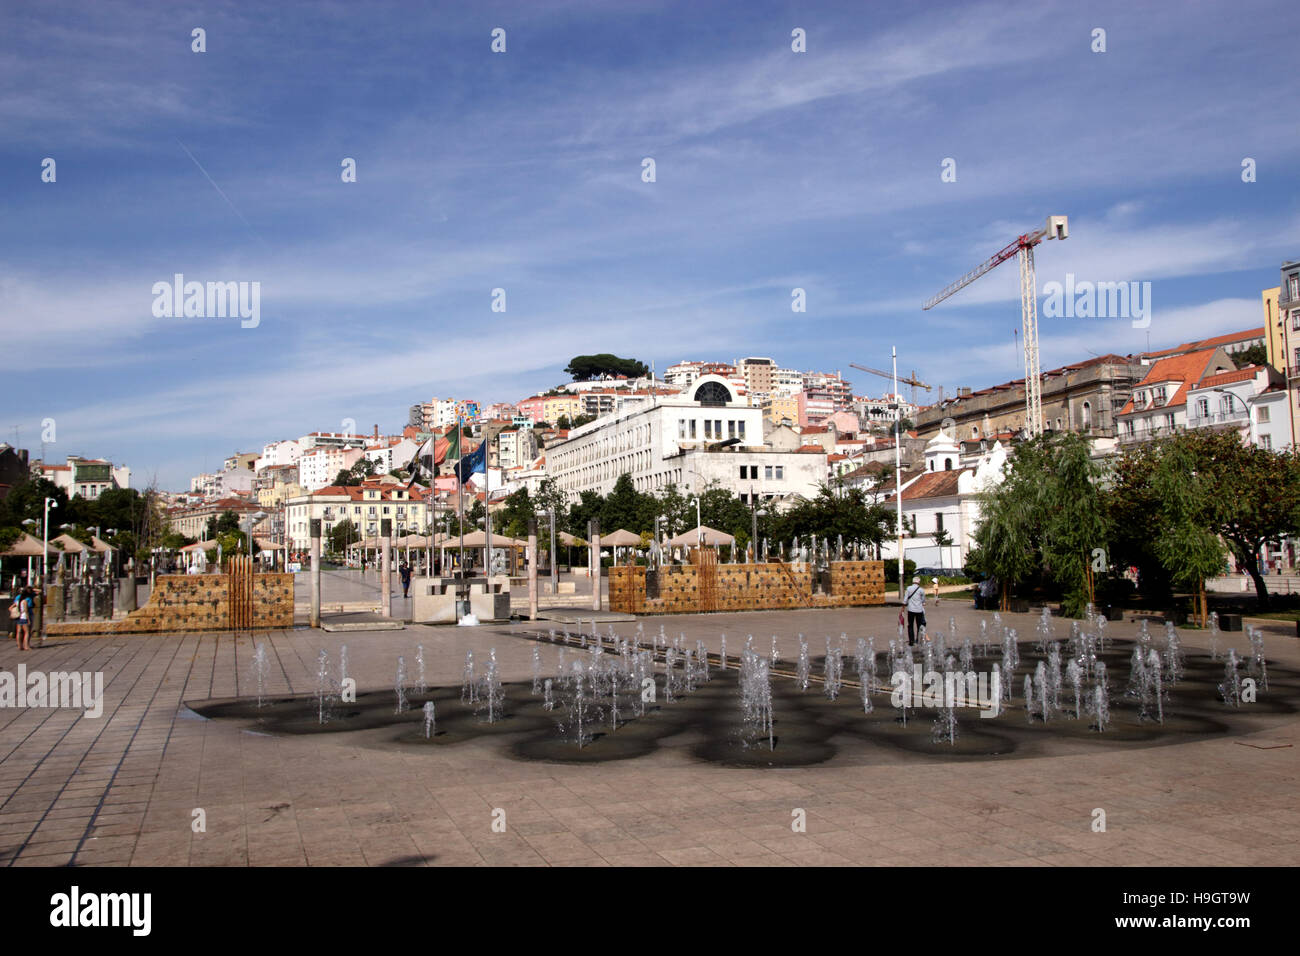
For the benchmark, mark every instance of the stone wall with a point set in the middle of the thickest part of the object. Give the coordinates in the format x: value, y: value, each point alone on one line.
x: 194, y: 602
x: 744, y: 587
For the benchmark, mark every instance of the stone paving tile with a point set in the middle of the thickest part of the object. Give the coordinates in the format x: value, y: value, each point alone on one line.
x: 122, y: 789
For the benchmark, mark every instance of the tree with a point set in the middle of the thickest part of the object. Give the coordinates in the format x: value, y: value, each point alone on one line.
x: 1005, y: 540
x: 1189, y: 550
x: 1255, y: 493
x: 361, y: 469
x: 1257, y: 354
x: 622, y: 507
x: 1075, y: 523
x: 341, y: 535
x: 221, y: 524
x: 586, y: 367
x: 943, y: 540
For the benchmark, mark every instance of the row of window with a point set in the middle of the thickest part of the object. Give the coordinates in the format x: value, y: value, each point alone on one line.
x: 770, y: 472
x: 712, y: 429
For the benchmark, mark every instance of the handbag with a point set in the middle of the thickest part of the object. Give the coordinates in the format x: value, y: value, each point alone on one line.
x: 902, y: 619
x: 14, y: 613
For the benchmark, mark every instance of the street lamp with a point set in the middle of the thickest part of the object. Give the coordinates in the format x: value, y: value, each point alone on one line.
x: 549, y: 514
x: 253, y: 519
x: 45, y: 537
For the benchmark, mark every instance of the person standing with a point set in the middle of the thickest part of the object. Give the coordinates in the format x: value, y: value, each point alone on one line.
x: 405, y: 574
x: 914, y: 599
x: 22, y: 611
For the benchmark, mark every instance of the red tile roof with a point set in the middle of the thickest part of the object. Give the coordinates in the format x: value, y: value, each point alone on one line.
x: 1186, y: 369
x: 1227, y: 378
x: 1211, y: 343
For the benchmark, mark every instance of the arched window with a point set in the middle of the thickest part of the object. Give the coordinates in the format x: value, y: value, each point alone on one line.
x: 1087, y: 414
x: 713, y: 394
x: 947, y: 464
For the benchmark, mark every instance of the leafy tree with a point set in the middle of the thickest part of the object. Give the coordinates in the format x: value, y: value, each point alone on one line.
x: 586, y: 367
x: 361, y: 469
x: 622, y: 507
x: 1075, y: 523
x: 1255, y: 493
x: 1189, y: 550
x: 27, y: 500
x: 343, y: 534
x: 1257, y: 354
x: 562, y: 423
x: 224, y: 523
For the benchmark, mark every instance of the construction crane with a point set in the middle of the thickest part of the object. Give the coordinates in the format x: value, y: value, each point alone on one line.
x: 1057, y: 227
x: 906, y: 381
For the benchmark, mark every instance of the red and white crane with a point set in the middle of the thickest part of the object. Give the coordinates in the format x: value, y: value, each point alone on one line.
x: 1058, y: 227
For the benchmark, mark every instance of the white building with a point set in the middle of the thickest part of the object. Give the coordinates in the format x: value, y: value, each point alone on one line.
x: 694, y: 439
x: 87, y: 477
x: 411, y: 511
x: 279, y: 453
x: 319, y: 467
x: 391, y: 454
x: 1251, y: 400
x: 516, y: 447
x: 944, y: 497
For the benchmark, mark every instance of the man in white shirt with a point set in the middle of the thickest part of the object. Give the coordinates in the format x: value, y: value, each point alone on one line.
x: 915, y: 601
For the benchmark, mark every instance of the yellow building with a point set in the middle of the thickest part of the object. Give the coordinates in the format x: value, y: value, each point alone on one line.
x: 781, y: 407
x: 1274, y: 333
x: 556, y: 406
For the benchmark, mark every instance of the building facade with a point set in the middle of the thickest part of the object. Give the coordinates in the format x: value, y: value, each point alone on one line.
x: 707, y: 435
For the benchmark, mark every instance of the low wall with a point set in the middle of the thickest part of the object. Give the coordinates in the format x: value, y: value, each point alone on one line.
x: 680, y: 589
x: 195, y: 602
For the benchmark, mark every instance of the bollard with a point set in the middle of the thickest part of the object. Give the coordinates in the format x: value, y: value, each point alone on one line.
x: 532, y: 569
x: 593, y: 529
x: 386, y: 566
x: 315, y: 572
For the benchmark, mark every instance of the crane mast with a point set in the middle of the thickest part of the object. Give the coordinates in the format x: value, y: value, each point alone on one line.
x: 1057, y: 227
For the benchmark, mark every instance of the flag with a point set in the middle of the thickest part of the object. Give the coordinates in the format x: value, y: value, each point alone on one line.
x: 475, y: 461
x: 453, y: 444
x: 440, y: 449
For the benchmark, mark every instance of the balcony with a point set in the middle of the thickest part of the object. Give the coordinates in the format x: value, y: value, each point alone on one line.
x: 1240, y: 416
x: 1293, y: 371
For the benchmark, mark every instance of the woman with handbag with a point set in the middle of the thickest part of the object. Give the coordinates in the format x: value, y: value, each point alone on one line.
x: 21, y: 612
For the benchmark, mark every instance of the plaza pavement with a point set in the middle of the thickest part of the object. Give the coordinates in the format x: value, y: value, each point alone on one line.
x: 121, y: 789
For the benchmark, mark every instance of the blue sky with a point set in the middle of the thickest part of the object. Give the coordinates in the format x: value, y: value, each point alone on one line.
x: 522, y: 171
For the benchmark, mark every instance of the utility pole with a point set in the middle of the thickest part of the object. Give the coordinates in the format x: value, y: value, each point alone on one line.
x: 898, y: 471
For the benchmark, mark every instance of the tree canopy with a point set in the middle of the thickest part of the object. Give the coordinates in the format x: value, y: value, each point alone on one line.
x: 586, y: 367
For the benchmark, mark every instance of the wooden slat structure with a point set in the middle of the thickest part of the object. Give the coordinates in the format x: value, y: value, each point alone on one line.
x: 240, y: 574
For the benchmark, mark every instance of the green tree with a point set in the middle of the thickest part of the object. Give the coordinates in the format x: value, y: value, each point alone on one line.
x: 622, y: 507
x: 1075, y: 520
x: 341, y: 535
x: 1183, y: 541
x: 1255, y: 493
x: 587, y: 367
x: 1257, y: 354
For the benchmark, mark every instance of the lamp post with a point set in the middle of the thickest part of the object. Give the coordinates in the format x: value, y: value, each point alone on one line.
x: 549, y: 514
x: 45, y: 537
x: 253, y: 519
x: 898, y: 471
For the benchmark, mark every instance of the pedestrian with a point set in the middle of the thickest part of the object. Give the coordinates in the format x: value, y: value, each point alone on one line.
x: 405, y: 574
x: 22, y: 611
x: 914, y: 599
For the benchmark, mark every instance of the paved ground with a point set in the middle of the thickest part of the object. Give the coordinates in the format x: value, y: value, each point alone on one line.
x: 122, y: 789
